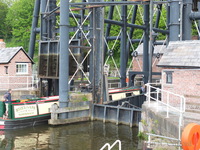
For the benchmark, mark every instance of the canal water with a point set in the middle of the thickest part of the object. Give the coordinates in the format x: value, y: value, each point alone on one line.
x: 81, y: 136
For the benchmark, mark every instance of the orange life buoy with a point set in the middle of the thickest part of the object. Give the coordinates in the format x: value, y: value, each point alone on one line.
x: 190, y: 139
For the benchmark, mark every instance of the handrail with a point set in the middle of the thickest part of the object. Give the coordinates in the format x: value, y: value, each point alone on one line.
x: 148, y: 94
x: 181, y: 110
x: 18, y: 82
x: 111, y: 146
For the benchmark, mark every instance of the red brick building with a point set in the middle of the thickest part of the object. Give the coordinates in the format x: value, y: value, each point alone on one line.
x: 15, y: 68
x: 181, y: 69
x: 137, y: 65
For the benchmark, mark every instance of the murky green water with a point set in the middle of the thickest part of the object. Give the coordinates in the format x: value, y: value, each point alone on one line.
x: 82, y: 136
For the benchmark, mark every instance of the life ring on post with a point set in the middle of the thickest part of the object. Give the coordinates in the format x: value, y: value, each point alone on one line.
x: 190, y: 139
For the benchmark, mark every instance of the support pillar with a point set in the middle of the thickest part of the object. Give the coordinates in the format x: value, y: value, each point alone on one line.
x: 187, y: 23
x: 174, y: 26
x: 64, y: 56
x: 146, y: 44
x: 123, y: 48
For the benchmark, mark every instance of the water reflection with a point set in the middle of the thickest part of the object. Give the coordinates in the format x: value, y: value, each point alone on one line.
x: 82, y: 136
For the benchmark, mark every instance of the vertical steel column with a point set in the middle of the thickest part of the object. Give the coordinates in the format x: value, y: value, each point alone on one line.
x: 159, y: 7
x: 108, y: 27
x: 133, y: 19
x: 99, y: 51
x: 91, y: 65
x: 151, y: 41
x: 187, y: 23
x: 43, y: 24
x: 174, y: 26
x: 123, y: 48
x: 168, y: 20
x: 33, y: 28
x: 51, y: 20
x: 146, y: 44
x: 64, y: 56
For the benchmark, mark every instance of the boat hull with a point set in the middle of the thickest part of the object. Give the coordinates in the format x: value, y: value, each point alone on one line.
x: 23, y: 123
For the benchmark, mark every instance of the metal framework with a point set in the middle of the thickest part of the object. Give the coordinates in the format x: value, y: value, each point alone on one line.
x: 75, y: 32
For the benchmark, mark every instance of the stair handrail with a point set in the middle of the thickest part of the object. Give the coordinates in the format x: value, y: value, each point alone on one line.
x: 182, y: 104
x: 111, y: 146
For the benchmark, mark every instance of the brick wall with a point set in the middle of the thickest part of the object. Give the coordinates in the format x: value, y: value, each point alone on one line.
x: 138, y: 64
x: 184, y: 82
x: 18, y: 78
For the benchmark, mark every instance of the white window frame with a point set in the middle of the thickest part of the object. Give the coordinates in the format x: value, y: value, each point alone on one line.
x: 169, y: 77
x: 22, y: 72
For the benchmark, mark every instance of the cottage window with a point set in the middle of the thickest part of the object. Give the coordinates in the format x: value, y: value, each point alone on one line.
x: 169, y: 77
x: 6, y: 69
x: 22, y: 68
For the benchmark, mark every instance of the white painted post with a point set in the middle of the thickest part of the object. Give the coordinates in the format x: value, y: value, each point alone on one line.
x: 157, y: 90
x: 167, y: 105
x: 148, y: 92
x: 183, y: 104
x: 149, y: 140
x: 54, y: 108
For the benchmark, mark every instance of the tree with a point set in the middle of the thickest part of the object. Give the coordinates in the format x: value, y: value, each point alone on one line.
x: 3, y: 25
x: 8, y: 2
x: 19, y: 17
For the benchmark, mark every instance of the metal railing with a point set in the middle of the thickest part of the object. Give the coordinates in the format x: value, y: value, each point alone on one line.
x: 149, y: 142
x: 18, y: 82
x: 157, y: 94
x: 111, y: 146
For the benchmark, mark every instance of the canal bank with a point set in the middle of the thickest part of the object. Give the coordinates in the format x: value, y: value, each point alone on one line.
x: 156, y: 122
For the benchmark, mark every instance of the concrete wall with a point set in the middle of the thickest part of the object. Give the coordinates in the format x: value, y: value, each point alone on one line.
x: 185, y: 82
x: 18, y: 94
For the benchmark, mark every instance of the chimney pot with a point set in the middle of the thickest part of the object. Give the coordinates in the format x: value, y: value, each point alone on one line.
x: 2, y: 44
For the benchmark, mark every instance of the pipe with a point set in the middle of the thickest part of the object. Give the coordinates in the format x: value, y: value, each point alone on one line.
x: 43, y: 24
x: 187, y: 23
x: 194, y: 15
x: 174, y: 26
x: 34, y: 25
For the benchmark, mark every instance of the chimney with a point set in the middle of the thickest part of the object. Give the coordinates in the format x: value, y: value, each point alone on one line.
x: 2, y: 44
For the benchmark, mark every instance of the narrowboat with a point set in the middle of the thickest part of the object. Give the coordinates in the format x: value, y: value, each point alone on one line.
x: 120, y: 93
x: 26, y: 112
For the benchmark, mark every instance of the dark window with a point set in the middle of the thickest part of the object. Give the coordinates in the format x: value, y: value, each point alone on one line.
x: 169, y: 77
x: 6, y: 69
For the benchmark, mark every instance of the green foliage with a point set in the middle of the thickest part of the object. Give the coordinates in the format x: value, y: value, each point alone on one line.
x: 144, y: 122
x: 3, y: 27
x: 84, y: 98
x: 19, y: 18
x: 142, y: 136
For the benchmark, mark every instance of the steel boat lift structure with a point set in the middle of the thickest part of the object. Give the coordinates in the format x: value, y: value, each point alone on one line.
x: 75, y: 32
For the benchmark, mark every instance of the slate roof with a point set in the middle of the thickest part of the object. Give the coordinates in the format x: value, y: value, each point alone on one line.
x: 157, y: 49
x: 6, y: 54
x: 182, y: 54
